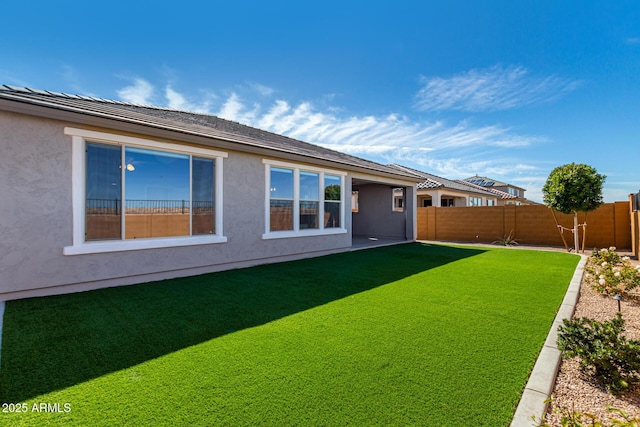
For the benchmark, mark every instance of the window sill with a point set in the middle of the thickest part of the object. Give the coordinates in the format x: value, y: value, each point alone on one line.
x: 303, y: 233
x: 139, y: 244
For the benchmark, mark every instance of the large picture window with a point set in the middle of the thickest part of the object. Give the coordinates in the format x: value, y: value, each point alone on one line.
x: 157, y: 201
x: 130, y: 193
x: 303, y: 201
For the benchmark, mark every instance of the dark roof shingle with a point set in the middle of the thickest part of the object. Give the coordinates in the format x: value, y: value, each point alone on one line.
x: 204, y: 125
x: 434, y: 182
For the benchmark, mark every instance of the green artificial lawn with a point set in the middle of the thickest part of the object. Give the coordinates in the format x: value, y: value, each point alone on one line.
x: 411, y: 334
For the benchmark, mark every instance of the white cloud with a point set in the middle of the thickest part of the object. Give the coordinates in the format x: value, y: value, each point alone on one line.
x: 7, y: 77
x: 435, y: 146
x: 234, y: 109
x: 175, y: 99
x: 454, y: 151
x: 140, y: 92
x: 71, y: 78
x: 179, y: 102
x: 491, y: 89
x: 262, y: 89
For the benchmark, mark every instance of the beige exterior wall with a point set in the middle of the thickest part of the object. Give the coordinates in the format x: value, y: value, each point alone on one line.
x: 609, y: 225
x: 36, y: 221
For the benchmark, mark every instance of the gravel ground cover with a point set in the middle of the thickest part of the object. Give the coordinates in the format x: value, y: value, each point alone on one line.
x: 575, y: 391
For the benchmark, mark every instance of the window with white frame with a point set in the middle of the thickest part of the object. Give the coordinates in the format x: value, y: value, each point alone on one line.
x: 132, y: 193
x: 398, y: 200
x: 475, y: 201
x: 303, y: 201
x: 514, y: 192
x: 309, y: 200
x: 491, y: 202
x: 333, y: 211
x: 281, y: 199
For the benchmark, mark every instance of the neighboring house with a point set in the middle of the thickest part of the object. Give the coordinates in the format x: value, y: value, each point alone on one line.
x: 438, y: 191
x: 99, y: 193
x: 502, y: 197
x: 510, y: 189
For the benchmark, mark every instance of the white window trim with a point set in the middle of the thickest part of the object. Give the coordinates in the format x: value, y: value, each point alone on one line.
x: 296, y: 232
x: 395, y: 197
x: 78, y: 172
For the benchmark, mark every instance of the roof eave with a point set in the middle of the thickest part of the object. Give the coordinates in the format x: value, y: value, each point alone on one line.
x: 90, y: 118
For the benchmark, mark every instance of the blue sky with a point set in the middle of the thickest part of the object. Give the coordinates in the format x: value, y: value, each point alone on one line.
x: 506, y: 89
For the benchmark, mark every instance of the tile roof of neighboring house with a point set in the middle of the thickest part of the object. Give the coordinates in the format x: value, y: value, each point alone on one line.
x: 197, y: 124
x: 484, y: 181
x: 436, y: 182
x: 502, y: 194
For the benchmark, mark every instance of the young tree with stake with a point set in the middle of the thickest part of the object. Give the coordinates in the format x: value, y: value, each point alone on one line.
x: 574, y: 188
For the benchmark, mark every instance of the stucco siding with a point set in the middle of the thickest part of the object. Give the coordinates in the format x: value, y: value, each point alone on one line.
x: 36, y: 222
x: 376, y: 217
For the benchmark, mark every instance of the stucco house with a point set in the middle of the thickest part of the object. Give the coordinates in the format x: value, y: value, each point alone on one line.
x: 516, y: 192
x: 502, y: 198
x: 437, y: 191
x: 99, y: 193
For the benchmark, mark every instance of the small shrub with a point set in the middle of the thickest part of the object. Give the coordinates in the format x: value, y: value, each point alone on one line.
x: 506, y: 240
x: 610, y: 274
x: 605, y: 255
x: 603, y: 349
x: 575, y: 418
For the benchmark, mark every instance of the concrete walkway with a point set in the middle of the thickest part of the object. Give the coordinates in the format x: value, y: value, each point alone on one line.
x: 543, y: 376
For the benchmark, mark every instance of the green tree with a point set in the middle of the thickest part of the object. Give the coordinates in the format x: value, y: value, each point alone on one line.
x: 574, y: 188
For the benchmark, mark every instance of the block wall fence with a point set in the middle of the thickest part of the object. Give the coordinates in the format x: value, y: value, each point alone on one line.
x: 634, y: 202
x: 609, y: 225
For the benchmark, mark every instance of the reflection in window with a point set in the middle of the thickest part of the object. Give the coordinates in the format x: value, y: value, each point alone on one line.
x: 202, y: 219
x: 475, y: 201
x: 354, y: 201
x: 281, y: 199
x: 332, y: 189
x: 309, y: 199
x: 302, y: 202
x: 156, y: 194
x: 398, y: 200
x: 103, y: 201
x: 165, y: 194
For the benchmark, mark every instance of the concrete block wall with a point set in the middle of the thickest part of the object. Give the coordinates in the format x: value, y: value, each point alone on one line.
x: 635, y: 226
x: 609, y: 225
x: 536, y: 226
x: 635, y: 233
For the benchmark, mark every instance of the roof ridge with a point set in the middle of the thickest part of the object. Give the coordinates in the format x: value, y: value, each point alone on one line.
x: 191, y: 122
x: 25, y: 89
x: 502, y: 194
x: 28, y: 90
